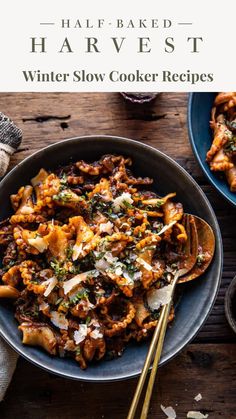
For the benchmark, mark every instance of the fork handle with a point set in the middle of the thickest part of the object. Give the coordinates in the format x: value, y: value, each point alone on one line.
x: 158, y: 333
x: 155, y: 362
x: 146, y: 366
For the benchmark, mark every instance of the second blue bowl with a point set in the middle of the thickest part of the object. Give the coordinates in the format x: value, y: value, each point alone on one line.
x: 199, y: 115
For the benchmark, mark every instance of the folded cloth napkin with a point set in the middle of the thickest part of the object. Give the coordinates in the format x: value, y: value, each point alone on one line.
x: 8, y: 359
x: 10, y: 139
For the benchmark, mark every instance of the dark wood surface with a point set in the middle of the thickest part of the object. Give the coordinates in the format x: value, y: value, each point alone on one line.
x: 208, y: 364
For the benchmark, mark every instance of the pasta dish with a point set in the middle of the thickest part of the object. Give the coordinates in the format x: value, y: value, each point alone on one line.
x: 222, y: 154
x: 88, y: 257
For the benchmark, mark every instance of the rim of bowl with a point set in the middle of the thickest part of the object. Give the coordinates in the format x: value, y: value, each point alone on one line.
x: 58, y: 372
x: 231, y: 291
x: 195, y: 151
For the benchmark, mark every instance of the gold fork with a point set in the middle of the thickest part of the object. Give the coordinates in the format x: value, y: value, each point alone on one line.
x: 189, y: 251
x: 164, y: 322
x: 159, y: 333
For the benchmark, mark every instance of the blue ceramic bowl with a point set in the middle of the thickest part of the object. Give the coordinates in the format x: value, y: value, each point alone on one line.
x: 197, y: 296
x: 199, y: 115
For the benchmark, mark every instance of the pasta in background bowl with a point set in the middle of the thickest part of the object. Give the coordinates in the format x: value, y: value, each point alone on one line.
x: 197, y: 298
x: 200, y: 108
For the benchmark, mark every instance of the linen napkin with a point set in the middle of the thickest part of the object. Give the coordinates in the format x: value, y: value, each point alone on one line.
x: 10, y: 139
x: 8, y: 359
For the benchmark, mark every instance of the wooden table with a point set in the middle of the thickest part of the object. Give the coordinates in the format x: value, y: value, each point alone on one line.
x: 208, y: 364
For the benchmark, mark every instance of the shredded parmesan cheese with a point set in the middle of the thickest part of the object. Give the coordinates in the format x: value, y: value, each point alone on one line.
x: 145, y: 264
x: 76, y: 251
x: 106, y: 262
x: 196, y: 415
x: 129, y: 280
x: 25, y: 209
x: 120, y: 201
x: 39, y: 243
x: 166, y: 227
x: 43, y: 306
x: 198, y: 397
x: 118, y: 271
x: 80, y: 335
x: 111, y: 259
x: 102, y: 264
x: 59, y: 320
x: 169, y: 412
x: 106, y: 227
x: 156, y: 266
x: 158, y: 297
x: 50, y: 285
x: 76, y: 280
x: 96, y: 334
x: 137, y: 275
x: 94, y: 322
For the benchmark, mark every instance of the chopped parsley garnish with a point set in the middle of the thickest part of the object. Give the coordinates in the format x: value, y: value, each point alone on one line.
x: 88, y: 320
x: 127, y: 204
x: 59, y: 301
x: 10, y: 264
x: 157, y: 227
x: 156, y: 315
x: 59, y: 270
x: 153, y: 207
x: 160, y: 203
x: 63, y: 196
x: 97, y: 204
x: 105, y: 207
x: 78, y: 351
x: 63, y: 181
x: 81, y: 295
x: 232, y: 125
x: 74, y: 269
x: 200, y: 258
x: 33, y: 311
x: 99, y: 255
x: 130, y: 267
x: 65, y: 304
x: 69, y: 252
x: 230, y: 146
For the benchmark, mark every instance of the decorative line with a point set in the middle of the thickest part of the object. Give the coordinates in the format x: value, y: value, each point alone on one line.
x: 47, y: 23
x: 185, y: 23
